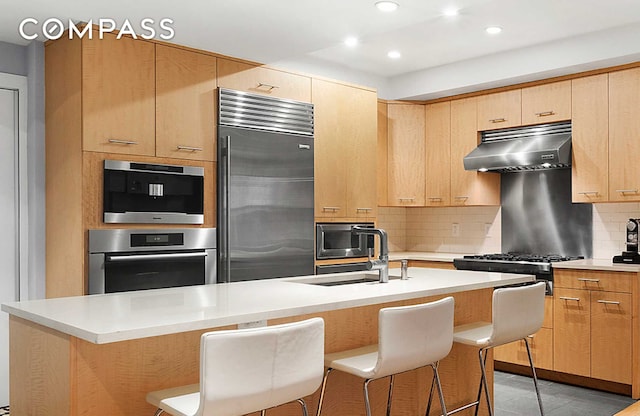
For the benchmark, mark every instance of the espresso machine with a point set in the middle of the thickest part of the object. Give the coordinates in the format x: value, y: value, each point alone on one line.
x: 630, y: 255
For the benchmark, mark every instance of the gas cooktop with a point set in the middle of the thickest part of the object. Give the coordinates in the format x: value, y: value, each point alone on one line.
x: 511, y: 262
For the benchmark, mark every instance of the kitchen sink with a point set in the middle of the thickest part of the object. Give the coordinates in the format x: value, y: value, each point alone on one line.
x: 330, y: 280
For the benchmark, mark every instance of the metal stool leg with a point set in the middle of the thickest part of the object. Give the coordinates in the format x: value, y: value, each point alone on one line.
x: 535, y: 377
x: 366, y: 396
x: 390, y: 394
x: 322, y: 390
x: 436, y: 375
x: 484, y: 381
x: 158, y: 412
x: 433, y: 384
x: 263, y: 412
x: 304, y: 407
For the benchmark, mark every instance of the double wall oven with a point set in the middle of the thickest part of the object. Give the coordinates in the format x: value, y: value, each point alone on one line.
x: 339, y: 250
x: 128, y: 259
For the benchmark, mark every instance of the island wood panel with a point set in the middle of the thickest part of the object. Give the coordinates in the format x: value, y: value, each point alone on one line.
x: 113, y: 379
x: 185, y: 104
x: 633, y: 410
x: 64, y: 241
x: 438, y: 154
x: 40, y: 370
x: 382, y: 157
x: 590, y: 139
x: 93, y: 173
x: 118, y: 95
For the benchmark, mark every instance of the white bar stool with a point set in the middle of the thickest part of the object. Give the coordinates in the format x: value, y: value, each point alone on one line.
x: 517, y: 312
x: 250, y: 370
x: 409, y: 337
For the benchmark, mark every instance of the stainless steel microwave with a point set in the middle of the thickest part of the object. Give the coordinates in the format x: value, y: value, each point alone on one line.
x: 153, y: 194
x: 336, y: 241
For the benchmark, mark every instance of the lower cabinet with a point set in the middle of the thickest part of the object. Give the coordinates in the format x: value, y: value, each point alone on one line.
x: 593, y: 330
x: 541, y: 344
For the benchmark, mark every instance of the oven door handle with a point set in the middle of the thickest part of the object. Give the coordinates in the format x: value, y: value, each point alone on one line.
x: 168, y: 256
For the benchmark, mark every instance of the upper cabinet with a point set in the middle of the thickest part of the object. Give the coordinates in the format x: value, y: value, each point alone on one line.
x: 499, y: 110
x: 185, y: 104
x: 118, y: 95
x: 590, y: 138
x: 382, y: 159
x: 469, y: 187
x: 406, y: 155
x: 260, y: 80
x: 624, y: 130
x: 438, y: 151
x: 345, y: 147
x: 546, y: 103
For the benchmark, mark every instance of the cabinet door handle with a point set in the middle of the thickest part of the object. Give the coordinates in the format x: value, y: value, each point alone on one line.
x: 435, y: 198
x: 586, y: 193
x: 545, y: 113
x: 406, y: 199
x: 334, y: 209
x: 567, y: 298
x: 269, y: 86
x: 189, y: 148
x: 127, y: 142
x: 498, y: 120
x: 461, y: 197
x: 627, y: 191
x: 584, y: 279
x: 364, y: 209
x: 608, y: 302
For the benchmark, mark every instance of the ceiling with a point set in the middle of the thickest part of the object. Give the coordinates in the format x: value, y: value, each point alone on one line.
x: 272, y: 31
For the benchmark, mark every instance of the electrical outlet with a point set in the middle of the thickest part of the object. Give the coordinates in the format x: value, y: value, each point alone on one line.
x: 487, y: 230
x: 455, y: 230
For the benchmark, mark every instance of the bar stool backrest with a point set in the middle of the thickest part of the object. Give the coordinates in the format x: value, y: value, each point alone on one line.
x: 413, y: 336
x: 517, y: 312
x: 243, y: 371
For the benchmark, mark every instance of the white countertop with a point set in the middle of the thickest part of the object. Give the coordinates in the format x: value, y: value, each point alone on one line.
x: 130, y: 315
x: 597, y: 264
x: 424, y: 256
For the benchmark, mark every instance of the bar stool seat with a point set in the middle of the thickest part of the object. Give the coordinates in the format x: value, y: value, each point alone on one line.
x: 249, y: 370
x: 517, y: 312
x: 409, y: 337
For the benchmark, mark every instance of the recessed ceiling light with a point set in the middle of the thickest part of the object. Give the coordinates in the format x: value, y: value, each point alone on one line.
x: 450, y: 12
x: 493, y: 30
x: 351, y: 41
x: 394, y: 54
x: 387, y: 6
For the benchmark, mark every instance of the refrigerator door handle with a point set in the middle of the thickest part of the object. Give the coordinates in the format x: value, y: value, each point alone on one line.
x: 225, y: 167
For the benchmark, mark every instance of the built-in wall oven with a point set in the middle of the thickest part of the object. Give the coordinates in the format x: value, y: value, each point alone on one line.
x: 129, y: 259
x: 339, y: 250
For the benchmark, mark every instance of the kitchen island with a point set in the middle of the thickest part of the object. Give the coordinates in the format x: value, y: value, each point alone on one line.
x: 101, y: 354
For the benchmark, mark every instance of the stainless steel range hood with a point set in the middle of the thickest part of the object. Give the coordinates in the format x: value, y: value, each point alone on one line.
x: 544, y: 146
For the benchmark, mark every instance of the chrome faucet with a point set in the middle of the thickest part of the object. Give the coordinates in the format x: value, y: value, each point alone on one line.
x: 382, y: 264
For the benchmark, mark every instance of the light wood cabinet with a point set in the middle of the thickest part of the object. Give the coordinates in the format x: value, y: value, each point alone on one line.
x: 383, y: 160
x: 590, y: 139
x: 624, y: 130
x: 257, y: 79
x: 438, y: 154
x: 593, y: 325
x: 546, y: 103
x: 345, y: 151
x: 406, y: 155
x: 118, y: 95
x: 469, y: 187
x: 185, y: 104
x: 499, y: 110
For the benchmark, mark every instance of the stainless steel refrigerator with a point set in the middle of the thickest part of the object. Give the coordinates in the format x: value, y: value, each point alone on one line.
x: 265, y: 187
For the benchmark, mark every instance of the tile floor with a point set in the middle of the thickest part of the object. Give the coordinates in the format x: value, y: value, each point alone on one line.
x: 515, y: 395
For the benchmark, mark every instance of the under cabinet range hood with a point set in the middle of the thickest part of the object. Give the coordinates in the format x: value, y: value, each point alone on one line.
x: 543, y: 146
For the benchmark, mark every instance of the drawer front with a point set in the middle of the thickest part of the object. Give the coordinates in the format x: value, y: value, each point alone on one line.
x: 541, y: 344
x: 593, y: 280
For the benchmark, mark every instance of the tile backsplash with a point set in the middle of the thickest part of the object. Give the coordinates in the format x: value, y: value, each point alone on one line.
x: 431, y: 229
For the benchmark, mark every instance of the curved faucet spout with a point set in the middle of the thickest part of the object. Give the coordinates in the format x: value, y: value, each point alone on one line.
x: 382, y: 265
